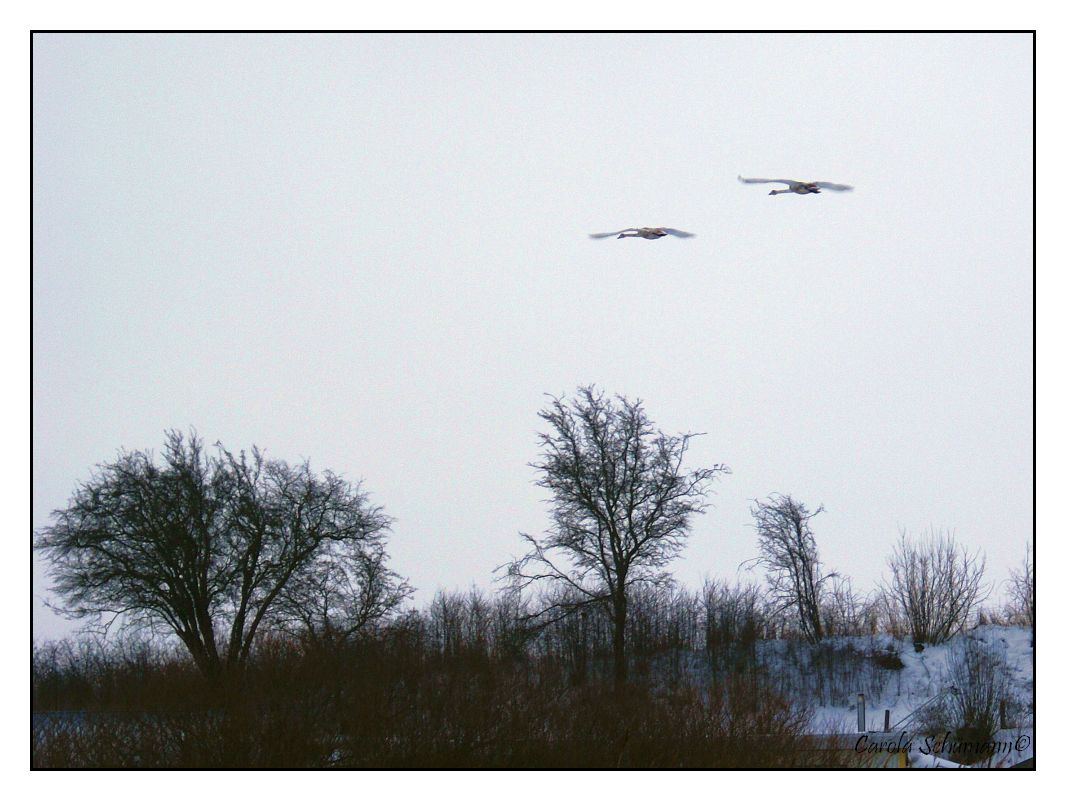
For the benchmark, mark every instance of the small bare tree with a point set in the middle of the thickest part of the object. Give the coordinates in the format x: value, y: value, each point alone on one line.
x: 1021, y: 592
x: 936, y: 584
x: 732, y: 614
x: 621, y: 506
x: 846, y: 612
x: 889, y: 614
x: 788, y: 552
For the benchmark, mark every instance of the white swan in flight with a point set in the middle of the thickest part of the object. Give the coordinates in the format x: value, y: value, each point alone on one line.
x: 644, y: 233
x: 797, y: 187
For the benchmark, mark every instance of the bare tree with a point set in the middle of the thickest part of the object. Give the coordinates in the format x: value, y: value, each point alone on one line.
x: 199, y: 545
x: 1021, y: 592
x: 447, y: 619
x: 621, y: 507
x: 936, y: 584
x: 732, y: 622
x: 846, y: 612
x: 343, y: 594
x: 731, y: 614
x: 788, y: 552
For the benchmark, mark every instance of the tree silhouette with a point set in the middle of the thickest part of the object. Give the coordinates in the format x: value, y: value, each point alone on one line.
x: 207, y: 546
x: 790, y: 556
x: 621, y: 508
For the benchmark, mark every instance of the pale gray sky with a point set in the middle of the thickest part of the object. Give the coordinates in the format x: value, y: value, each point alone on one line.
x: 371, y: 251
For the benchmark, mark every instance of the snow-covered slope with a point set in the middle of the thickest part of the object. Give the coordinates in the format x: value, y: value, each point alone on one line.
x: 926, y: 675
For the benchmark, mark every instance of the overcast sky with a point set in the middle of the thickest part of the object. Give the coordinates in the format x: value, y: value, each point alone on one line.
x: 372, y: 252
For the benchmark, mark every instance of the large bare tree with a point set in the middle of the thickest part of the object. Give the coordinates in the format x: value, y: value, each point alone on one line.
x: 621, y: 508
x: 204, y: 546
x: 789, y: 553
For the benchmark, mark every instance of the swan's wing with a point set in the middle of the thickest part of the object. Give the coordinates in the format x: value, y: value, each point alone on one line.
x: 613, y: 233
x: 834, y: 187
x: 769, y: 181
x: 675, y: 232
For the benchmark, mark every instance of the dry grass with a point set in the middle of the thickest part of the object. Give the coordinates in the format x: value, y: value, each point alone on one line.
x: 394, y: 703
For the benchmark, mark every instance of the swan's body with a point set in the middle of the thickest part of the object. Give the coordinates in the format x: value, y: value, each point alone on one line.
x: 797, y: 187
x: 644, y: 233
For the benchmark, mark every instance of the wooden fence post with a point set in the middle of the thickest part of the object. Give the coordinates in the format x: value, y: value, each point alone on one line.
x: 887, y: 727
x: 861, y: 707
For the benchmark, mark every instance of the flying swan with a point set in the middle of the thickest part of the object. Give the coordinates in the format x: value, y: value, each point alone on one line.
x: 797, y: 187
x: 644, y: 233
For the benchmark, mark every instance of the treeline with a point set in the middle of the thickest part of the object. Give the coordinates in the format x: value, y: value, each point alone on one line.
x: 220, y: 549
x: 290, y: 640
x: 676, y: 636
x: 466, y: 681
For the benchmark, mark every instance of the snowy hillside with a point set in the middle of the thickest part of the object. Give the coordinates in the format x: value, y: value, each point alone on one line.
x: 925, y: 675
x: 914, y: 686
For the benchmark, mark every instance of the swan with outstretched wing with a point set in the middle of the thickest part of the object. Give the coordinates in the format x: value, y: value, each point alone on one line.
x: 644, y: 233
x: 797, y: 187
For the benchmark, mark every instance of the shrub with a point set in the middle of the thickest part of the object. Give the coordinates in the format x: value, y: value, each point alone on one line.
x: 399, y: 700
x: 936, y: 584
x: 887, y: 659
x: 968, y: 714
